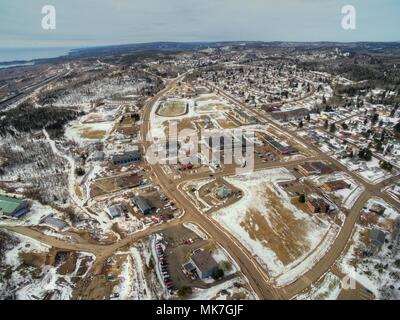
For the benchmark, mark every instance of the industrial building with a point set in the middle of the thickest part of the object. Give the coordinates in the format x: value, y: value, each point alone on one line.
x: 126, y: 158
x: 13, y: 207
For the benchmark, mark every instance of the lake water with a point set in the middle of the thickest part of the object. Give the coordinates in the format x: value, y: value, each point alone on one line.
x: 27, y: 54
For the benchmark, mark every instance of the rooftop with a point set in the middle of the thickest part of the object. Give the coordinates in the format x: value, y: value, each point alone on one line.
x: 204, y: 260
x: 9, y: 205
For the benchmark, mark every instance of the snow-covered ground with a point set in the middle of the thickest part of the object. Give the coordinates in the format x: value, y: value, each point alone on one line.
x: 370, y: 171
x: 378, y: 273
x: 134, y: 283
x: 328, y: 289
x: 100, y: 89
x: 27, y: 282
x: 224, y: 291
x: 195, y: 110
x: 75, y: 131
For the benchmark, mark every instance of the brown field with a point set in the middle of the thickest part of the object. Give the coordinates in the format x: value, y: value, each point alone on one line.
x: 172, y: 109
x: 127, y: 127
x: 227, y: 124
x: 284, y: 234
x: 78, y: 191
x: 99, y: 287
x: 190, y: 123
x: 301, y: 206
x: 113, y: 184
x: 92, y: 134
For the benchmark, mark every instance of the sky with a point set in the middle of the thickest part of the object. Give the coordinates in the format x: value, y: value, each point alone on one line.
x: 86, y: 23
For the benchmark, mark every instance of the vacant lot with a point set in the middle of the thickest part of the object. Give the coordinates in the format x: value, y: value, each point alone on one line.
x: 92, y: 134
x: 278, y: 233
x: 172, y: 109
x: 113, y: 184
x: 212, y: 107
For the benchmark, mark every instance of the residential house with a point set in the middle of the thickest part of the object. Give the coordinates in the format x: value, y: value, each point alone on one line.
x: 318, y: 205
x: 377, y: 208
x: 376, y: 240
x: 336, y: 185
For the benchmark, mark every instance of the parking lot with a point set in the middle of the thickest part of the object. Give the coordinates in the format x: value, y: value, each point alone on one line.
x: 180, y: 243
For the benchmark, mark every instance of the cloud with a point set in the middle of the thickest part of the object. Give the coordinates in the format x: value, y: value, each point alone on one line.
x: 100, y: 22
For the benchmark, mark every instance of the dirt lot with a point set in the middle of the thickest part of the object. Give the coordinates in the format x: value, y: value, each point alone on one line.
x: 100, y: 285
x: 92, y: 134
x: 172, y: 109
x: 295, y: 189
x: 95, y: 117
x: 227, y: 124
x: 196, y: 123
x: 207, y: 98
x: 128, y: 127
x: 113, y: 184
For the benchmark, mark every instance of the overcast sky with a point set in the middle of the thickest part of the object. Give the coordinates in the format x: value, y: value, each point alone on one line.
x: 101, y: 22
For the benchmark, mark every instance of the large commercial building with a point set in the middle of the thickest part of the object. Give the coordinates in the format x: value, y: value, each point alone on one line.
x: 126, y: 158
x: 13, y: 207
